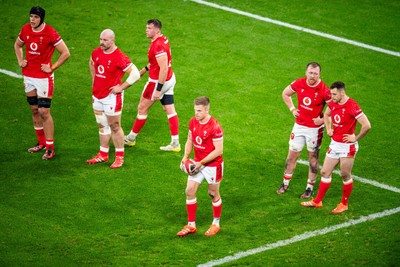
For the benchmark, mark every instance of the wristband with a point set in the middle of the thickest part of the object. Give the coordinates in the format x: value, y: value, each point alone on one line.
x: 292, y: 108
x: 202, y: 162
x: 159, y: 86
x: 146, y: 68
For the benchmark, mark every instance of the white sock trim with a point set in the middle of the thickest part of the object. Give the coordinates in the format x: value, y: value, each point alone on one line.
x: 104, y: 149
x: 191, y: 201
x: 348, y: 182
x: 218, y: 203
x: 326, y: 180
x: 141, y: 117
x: 171, y: 115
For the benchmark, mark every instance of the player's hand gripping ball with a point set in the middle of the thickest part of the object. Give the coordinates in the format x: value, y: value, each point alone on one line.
x: 187, y: 166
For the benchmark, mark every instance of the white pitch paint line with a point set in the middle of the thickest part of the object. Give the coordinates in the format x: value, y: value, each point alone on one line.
x: 12, y: 74
x: 301, y: 237
x: 363, y: 180
x: 291, y: 26
x: 315, y: 233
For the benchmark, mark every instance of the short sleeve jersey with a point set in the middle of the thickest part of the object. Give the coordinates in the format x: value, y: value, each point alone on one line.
x: 39, y: 47
x: 311, y: 101
x: 344, y: 118
x: 109, y: 70
x: 159, y: 47
x: 203, y: 135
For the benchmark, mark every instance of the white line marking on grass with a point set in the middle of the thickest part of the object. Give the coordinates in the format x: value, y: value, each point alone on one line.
x: 301, y: 237
x: 291, y: 26
x: 12, y: 74
x: 363, y: 180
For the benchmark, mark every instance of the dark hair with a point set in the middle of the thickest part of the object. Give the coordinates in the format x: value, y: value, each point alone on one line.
x: 37, y: 10
x: 338, y: 85
x: 202, y: 100
x: 314, y: 65
x: 155, y: 22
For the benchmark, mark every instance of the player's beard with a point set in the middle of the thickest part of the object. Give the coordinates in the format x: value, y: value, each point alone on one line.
x: 105, y: 48
x: 312, y: 81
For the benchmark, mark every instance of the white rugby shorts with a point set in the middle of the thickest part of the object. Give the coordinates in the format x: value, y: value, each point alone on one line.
x: 213, y: 175
x: 302, y: 135
x: 342, y: 150
x: 151, y: 85
x: 44, y: 86
x: 111, y: 105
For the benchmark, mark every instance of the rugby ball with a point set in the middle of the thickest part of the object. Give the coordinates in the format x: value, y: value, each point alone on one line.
x: 187, y: 166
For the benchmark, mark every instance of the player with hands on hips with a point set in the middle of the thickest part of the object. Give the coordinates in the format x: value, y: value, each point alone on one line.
x: 341, y: 117
x: 205, y: 138
x: 107, y: 65
x: 312, y: 94
x: 40, y: 41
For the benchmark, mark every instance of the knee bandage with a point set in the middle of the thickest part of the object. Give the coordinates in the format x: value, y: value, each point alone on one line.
x: 32, y: 100
x: 104, y: 128
x: 167, y: 100
x: 44, y: 102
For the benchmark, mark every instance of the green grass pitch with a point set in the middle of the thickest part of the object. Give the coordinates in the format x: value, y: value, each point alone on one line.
x: 64, y: 212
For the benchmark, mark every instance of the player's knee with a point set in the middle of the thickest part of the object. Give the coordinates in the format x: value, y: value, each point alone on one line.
x: 325, y: 174
x: 101, y: 120
x: 44, y: 113
x: 44, y: 102
x: 142, y: 110
x: 144, y: 107
x: 32, y: 100
x: 190, y: 191
x: 104, y: 130
x: 345, y: 175
x: 35, y: 110
x: 214, y: 195
x: 115, y: 127
x: 292, y: 158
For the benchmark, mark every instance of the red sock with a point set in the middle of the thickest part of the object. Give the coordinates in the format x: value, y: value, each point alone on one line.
x: 40, y: 136
x: 346, y: 191
x: 49, y: 144
x: 173, y: 124
x: 139, y: 123
x: 323, y: 188
x: 191, y: 207
x: 119, y: 152
x: 104, y: 152
x: 217, y: 208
